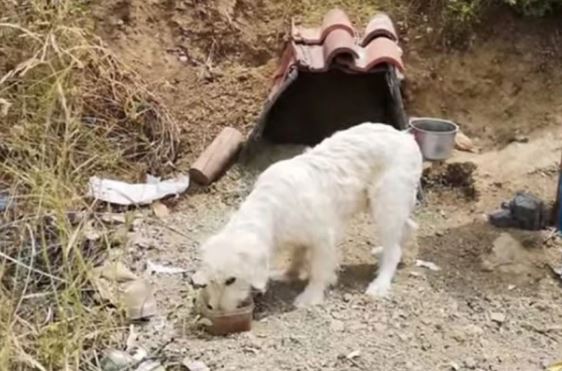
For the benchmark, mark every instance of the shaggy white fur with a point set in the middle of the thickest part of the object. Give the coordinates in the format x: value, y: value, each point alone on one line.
x: 305, y: 202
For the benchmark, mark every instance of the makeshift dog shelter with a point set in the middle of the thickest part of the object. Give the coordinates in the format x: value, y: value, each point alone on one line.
x: 332, y: 77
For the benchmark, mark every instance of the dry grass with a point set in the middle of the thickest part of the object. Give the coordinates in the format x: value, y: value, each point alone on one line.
x: 68, y: 110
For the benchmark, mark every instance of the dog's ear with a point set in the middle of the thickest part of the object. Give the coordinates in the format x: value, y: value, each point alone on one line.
x: 199, y: 279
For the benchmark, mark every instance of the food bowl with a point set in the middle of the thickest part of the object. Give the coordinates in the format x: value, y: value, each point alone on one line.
x: 224, y: 323
x: 436, y: 137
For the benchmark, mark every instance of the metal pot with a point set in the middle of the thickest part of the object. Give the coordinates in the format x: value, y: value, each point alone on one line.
x: 436, y: 137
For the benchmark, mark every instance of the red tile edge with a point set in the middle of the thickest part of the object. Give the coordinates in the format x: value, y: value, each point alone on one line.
x: 338, y: 43
x: 379, y: 25
x: 382, y: 50
x: 335, y: 19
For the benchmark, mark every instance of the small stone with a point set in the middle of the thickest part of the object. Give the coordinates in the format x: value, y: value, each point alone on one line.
x: 470, y: 363
x: 337, y: 326
x: 183, y: 58
x: 195, y: 365
x: 455, y: 366
x: 521, y: 139
x: 160, y: 210
x: 114, y: 218
x: 347, y: 297
x: 473, y: 330
x: 497, y: 317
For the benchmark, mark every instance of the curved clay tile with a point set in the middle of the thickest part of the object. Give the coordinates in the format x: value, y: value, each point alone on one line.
x: 379, y: 25
x: 339, y: 43
x: 382, y: 50
x: 335, y: 19
x: 287, y: 60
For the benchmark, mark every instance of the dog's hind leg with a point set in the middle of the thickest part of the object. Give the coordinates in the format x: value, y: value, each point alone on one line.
x: 323, y: 264
x: 391, y: 204
x: 409, y: 245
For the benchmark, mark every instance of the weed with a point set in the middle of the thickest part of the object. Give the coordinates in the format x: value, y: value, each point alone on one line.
x: 69, y: 109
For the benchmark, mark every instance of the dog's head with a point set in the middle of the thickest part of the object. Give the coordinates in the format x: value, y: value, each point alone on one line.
x: 232, y: 265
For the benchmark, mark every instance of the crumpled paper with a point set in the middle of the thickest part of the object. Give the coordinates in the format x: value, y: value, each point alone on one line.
x: 122, y: 193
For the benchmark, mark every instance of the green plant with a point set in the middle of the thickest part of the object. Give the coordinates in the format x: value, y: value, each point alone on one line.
x: 534, y: 8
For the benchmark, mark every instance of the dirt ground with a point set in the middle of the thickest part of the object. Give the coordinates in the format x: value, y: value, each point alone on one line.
x: 494, y: 305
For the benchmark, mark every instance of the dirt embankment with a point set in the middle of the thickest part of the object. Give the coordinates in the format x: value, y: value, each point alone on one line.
x: 212, y: 62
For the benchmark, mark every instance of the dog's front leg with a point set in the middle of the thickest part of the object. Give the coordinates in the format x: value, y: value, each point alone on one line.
x: 298, y: 267
x: 323, y: 265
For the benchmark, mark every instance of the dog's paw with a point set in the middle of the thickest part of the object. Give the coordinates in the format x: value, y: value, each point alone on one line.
x: 309, y: 298
x: 379, y: 289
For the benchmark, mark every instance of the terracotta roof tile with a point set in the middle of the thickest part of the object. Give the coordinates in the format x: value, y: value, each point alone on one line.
x: 332, y: 76
x: 336, y: 44
x: 335, y: 19
x: 379, y: 25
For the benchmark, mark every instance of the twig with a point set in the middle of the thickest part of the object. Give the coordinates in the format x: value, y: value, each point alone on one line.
x: 9, y: 258
x: 173, y: 229
x: 28, y: 278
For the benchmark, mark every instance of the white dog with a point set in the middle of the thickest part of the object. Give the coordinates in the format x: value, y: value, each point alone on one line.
x: 305, y: 203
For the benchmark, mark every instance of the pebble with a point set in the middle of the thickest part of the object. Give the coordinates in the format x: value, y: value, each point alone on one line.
x: 195, y: 366
x: 470, y: 363
x: 337, y: 326
x: 183, y: 58
x: 454, y: 366
x: 473, y: 330
x: 497, y: 317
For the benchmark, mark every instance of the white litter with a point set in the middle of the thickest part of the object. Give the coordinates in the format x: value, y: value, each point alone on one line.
x: 429, y: 265
x: 122, y: 193
x: 195, y: 365
x: 354, y: 354
x: 152, y: 267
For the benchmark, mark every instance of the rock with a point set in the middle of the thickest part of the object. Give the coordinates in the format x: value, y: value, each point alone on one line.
x: 195, y: 365
x: 464, y: 143
x: 160, y: 210
x: 470, y: 363
x: 497, y: 317
x: 150, y: 366
x: 113, y: 218
x: 520, y: 139
x: 115, y: 360
x: 337, y: 326
x: 473, y: 330
x: 455, y: 366
x: 508, y: 256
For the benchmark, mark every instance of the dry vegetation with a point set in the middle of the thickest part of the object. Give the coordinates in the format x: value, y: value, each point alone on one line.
x: 70, y: 109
